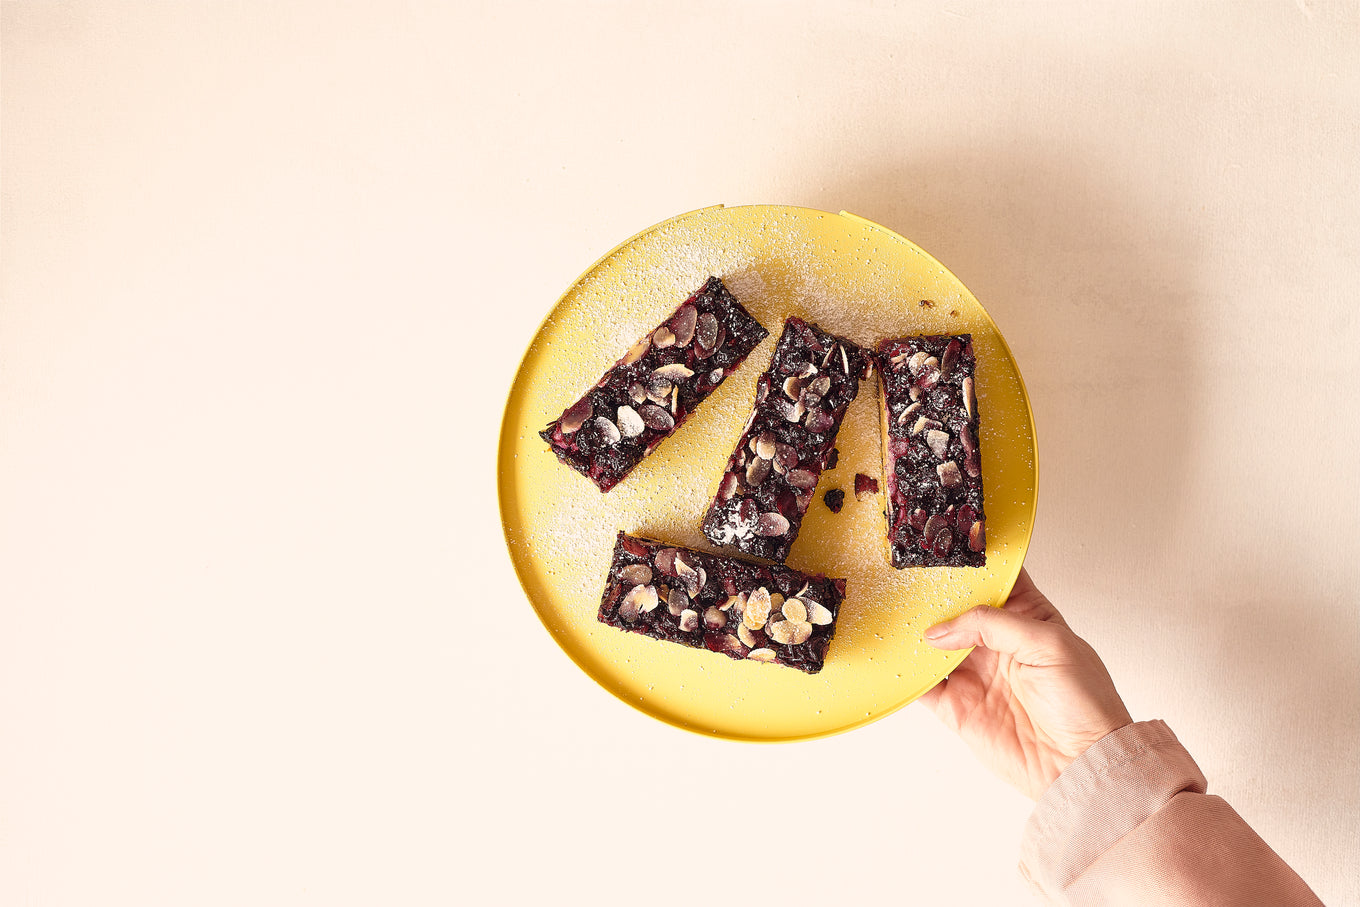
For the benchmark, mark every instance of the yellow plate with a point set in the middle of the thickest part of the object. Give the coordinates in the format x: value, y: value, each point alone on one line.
x: 853, y: 277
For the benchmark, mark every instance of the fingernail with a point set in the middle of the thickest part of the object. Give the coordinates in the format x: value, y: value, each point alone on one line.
x: 937, y: 631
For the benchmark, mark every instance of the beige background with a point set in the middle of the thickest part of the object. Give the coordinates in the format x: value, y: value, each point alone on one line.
x: 268, y: 270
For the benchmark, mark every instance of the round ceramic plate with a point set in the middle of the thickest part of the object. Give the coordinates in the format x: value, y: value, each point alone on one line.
x: 852, y: 277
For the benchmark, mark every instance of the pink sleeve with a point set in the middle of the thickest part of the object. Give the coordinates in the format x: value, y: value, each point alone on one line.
x: 1129, y: 823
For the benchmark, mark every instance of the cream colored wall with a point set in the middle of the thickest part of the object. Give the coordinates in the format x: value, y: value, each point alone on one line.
x: 268, y: 270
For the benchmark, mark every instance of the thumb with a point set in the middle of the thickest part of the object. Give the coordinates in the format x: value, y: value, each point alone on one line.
x: 1029, y: 641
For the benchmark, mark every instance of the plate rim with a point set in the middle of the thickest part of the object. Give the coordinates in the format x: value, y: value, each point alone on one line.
x: 508, y: 432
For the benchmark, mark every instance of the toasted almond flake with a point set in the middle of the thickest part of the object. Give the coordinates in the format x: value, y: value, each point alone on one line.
x: 630, y: 423
x: 574, y: 418
x: 935, y: 524
x: 714, y: 618
x: 728, y: 487
x: 914, y: 393
x: 966, y: 439
x: 793, y: 387
x: 665, y: 560
x: 909, y: 412
x: 715, y: 376
x: 969, y: 400
x: 656, y: 417
x: 675, y: 400
x: 802, y: 478
x: 757, y: 609
x: 819, y: 421
x: 659, y: 389
x: 771, y: 524
x: 781, y: 631
x: 972, y: 463
x: 764, y: 446
x: 757, y: 471
x: 706, y: 331
x: 831, y: 351
x: 795, y: 610
x: 638, y: 599
x: 776, y: 601
x: 938, y: 442
x: 636, y: 574
x: 638, y: 350
x: 747, y: 637
x: 818, y: 613
x: 806, y: 370
x: 900, y: 358
x: 682, y: 325
x: 800, y: 632
x: 689, y: 620
x: 845, y: 358
x: 608, y: 430
x: 977, y: 537
x: 677, y: 601
x: 924, y: 423
x: 795, y: 412
x: 636, y: 392
x: 662, y: 338
x: 951, y: 357
x: 821, y: 386
x: 949, y: 474
x: 676, y: 371
x: 917, y: 363
x: 931, y: 364
x: 765, y: 655
x: 732, y: 645
x: 786, y: 455
x: 737, y: 601
x: 704, y: 352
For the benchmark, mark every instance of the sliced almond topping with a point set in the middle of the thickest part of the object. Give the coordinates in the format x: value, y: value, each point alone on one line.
x: 630, y: 423
x: 793, y: 387
x: 674, y: 372
x: 966, y: 439
x: 969, y: 400
x: 636, y: 574
x: 795, y: 610
x: 747, y: 637
x: 949, y: 474
x: 786, y: 455
x: 706, y: 331
x: 659, y: 389
x: 818, y: 613
x: 951, y: 357
x: 765, y: 655
x: 702, y: 350
x: 781, y: 631
x: 972, y: 463
x: 819, y: 421
x: 682, y: 325
x: 638, y: 350
x: 728, y: 486
x: 714, y: 618
x: 695, y: 584
x: 732, y: 645
x: 802, y: 478
x: 689, y: 620
x: 757, y: 471
x: 757, y: 609
x: 771, y: 524
x: 737, y: 601
x: 574, y: 418
x: 776, y: 601
x: 915, y: 393
x: 665, y: 560
x: 938, y: 442
x: 821, y: 385
x: 795, y: 412
x: 764, y: 446
x: 715, y: 376
x: 934, y: 526
x: 801, y: 631
x: 675, y: 400
x: 845, y: 358
x: 608, y: 430
x: 909, y: 412
x: 654, y: 416
x: 638, y: 599
x: 636, y: 392
x: 677, y: 601
x: 663, y: 338
x: 923, y: 424
x: 917, y: 363
x: 977, y: 537
x: 931, y: 364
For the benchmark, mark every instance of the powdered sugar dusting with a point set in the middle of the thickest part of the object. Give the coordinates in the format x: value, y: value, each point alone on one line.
x: 852, y: 279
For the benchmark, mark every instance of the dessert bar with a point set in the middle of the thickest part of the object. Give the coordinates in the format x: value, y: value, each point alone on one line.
x: 772, y: 614
x: 655, y: 387
x: 769, y: 480
x: 930, y: 452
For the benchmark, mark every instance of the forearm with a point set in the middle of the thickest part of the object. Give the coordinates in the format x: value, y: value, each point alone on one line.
x: 1129, y: 823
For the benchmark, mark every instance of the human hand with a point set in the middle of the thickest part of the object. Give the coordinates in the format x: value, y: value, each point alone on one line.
x: 1032, y: 697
